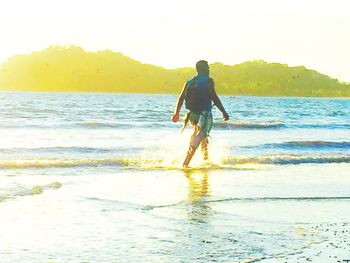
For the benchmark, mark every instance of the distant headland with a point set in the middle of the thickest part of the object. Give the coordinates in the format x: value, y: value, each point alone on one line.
x: 72, y: 69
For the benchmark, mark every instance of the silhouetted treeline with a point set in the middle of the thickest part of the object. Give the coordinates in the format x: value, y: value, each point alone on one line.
x: 73, y: 69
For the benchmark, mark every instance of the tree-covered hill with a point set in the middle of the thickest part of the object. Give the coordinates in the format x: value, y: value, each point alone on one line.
x: 73, y: 69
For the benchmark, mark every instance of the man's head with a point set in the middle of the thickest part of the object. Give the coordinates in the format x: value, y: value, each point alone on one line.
x: 202, y: 67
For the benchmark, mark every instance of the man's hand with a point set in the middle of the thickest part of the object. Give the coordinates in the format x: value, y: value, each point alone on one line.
x: 225, y: 116
x: 175, y: 117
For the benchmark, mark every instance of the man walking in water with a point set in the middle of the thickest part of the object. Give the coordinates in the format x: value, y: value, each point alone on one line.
x: 198, y: 94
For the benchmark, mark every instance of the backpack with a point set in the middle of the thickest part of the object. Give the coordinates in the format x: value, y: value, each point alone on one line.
x: 193, y: 96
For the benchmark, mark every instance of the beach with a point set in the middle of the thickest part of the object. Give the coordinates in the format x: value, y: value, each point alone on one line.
x: 93, y: 177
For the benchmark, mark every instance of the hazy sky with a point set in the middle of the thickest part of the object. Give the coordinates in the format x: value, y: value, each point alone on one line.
x: 313, y: 33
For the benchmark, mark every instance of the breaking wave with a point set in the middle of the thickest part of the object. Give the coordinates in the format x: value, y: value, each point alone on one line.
x: 72, y: 149
x: 309, y: 144
x: 18, y: 191
x: 278, y: 125
x: 248, y: 125
x: 286, y: 159
x: 60, y: 163
x: 233, y: 162
x: 94, y: 124
x: 258, y: 199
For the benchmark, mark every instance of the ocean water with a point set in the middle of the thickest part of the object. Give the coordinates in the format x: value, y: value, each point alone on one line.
x: 92, y: 177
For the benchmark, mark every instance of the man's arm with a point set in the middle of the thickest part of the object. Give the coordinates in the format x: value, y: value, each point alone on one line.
x: 179, y: 104
x: 216, y: 100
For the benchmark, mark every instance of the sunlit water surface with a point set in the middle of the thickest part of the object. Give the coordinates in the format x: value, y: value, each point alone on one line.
x: 98, y: 178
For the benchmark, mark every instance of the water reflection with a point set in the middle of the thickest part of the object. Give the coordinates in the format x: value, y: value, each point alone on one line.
x: 198, y: 191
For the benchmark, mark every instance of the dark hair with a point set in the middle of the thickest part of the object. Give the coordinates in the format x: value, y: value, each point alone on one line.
x: 202, y: 66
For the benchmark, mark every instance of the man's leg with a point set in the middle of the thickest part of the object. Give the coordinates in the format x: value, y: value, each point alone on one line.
x: 193, y: 146
x: 189, y: 156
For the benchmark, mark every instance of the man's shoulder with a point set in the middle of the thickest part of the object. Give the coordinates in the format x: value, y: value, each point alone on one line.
x: 192, y: 79
x: 195, y: 78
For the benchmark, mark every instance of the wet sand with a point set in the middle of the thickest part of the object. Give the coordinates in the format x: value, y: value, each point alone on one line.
x: 267, y: 214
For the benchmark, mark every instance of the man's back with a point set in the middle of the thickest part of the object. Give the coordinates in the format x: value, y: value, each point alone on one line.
x: 197, y: 95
